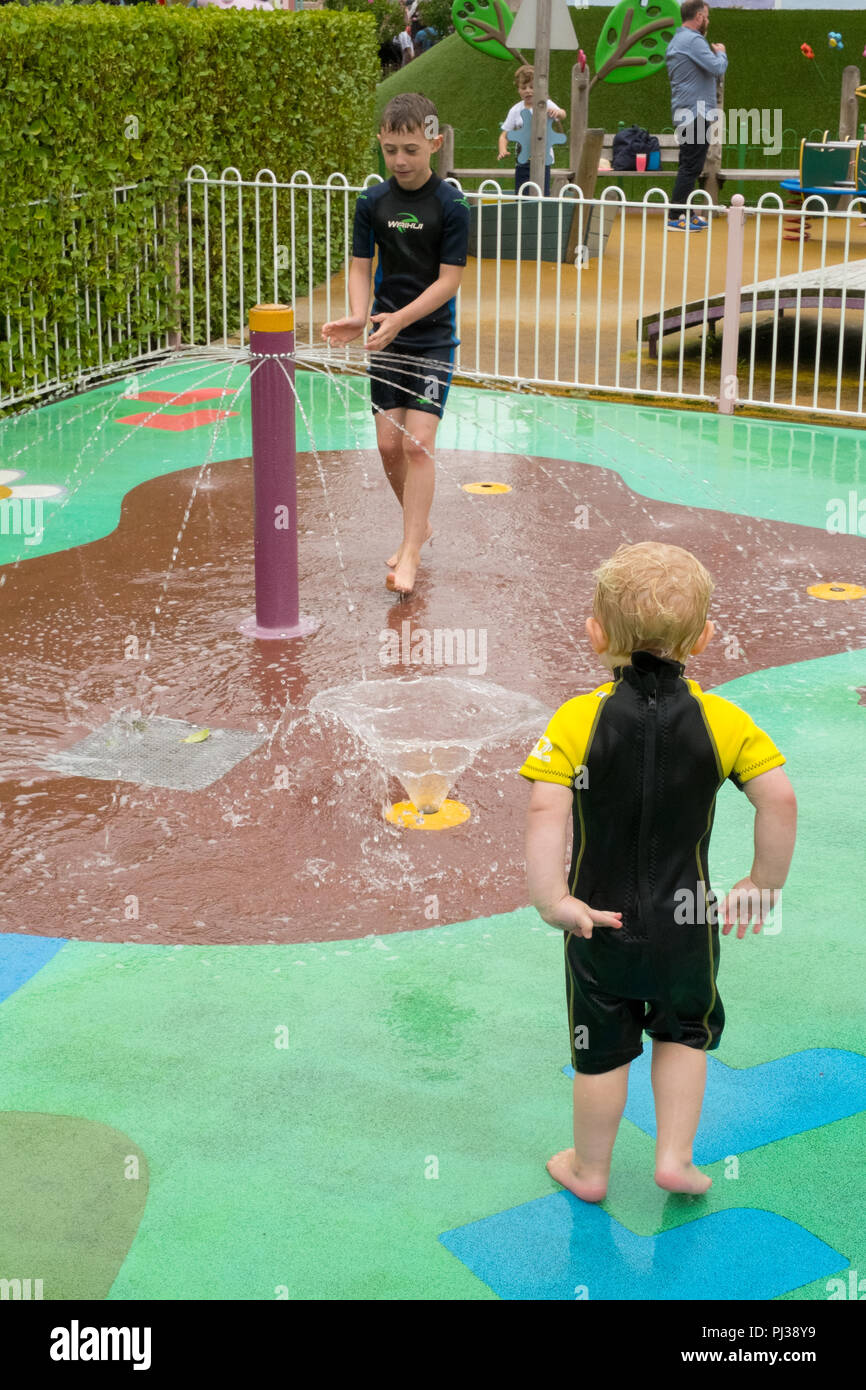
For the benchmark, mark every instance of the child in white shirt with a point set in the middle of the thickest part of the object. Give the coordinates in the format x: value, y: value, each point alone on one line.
x: 524, y: 78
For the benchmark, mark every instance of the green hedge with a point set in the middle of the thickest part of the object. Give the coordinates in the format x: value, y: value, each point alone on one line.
x: 94, y: 98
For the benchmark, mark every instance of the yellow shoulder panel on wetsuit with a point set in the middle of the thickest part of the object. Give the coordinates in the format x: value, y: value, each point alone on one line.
x: 744, y: 751
x: 562, y: 748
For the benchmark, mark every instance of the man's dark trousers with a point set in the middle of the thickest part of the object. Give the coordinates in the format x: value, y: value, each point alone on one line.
x: 693, y: 154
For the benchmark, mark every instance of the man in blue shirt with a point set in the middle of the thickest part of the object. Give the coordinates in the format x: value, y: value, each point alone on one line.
x: 693, y: 66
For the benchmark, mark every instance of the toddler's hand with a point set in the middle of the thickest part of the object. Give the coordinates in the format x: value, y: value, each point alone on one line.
x: 744, y: 902
x: 572, y: 915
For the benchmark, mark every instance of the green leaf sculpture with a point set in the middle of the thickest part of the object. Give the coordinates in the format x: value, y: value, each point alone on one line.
x: 633, y: 41
x: 484, y: 24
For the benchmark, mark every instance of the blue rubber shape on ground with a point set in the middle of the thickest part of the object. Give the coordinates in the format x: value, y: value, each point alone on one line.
x: 22, y: 956
x: 747, y: 1107
x: 558, y: 1247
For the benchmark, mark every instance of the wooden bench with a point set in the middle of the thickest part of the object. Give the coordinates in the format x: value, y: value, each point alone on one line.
x: 670, y: 158
x: 669, y: 152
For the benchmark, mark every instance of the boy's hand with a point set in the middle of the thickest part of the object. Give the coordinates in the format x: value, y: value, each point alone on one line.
x: 745, y: 902
x: 388, y: 326
x: 343, y: 330
x: 572, y: 915
x: 559, y: 114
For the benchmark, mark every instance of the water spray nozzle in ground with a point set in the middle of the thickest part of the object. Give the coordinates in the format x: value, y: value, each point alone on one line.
x: 427, y: 730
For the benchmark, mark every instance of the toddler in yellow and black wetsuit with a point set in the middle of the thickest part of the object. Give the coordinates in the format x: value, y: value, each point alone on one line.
x: 637, y: 765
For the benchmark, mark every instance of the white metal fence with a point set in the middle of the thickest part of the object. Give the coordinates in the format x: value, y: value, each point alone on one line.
x: 765, y: 307
x: 566, y: 293
x: 98, y: 288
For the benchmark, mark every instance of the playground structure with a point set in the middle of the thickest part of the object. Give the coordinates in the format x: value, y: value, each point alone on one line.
x: 836, y: 287
x: 278, y: 885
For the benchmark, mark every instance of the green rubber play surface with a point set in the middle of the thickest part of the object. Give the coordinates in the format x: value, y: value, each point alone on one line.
x: 750, y: 467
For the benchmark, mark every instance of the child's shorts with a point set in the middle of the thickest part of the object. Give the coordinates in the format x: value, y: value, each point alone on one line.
x: 402, y: 379
x: 612, y: 994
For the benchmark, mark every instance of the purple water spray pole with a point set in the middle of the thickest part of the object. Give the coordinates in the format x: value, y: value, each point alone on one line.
x: 272, y: 398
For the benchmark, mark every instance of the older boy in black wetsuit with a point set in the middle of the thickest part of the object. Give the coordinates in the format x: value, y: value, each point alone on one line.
x: 420, y: 226
x: 637, y: 764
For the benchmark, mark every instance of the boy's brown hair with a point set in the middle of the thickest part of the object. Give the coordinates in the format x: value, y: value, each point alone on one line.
x: 410, y: 111
x: 525, y: 76
x: 652, y: 597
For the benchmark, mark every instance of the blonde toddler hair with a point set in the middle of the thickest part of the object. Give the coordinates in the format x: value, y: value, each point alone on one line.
x: 652, y: 597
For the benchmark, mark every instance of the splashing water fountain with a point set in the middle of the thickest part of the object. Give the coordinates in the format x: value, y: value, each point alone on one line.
x: 458, y: 717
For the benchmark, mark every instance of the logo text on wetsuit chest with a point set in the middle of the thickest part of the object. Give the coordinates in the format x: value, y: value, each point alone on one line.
x: 406, y: 222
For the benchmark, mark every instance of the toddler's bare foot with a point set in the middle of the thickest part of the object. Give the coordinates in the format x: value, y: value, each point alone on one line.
x: 590, y: 1185
x: 395, y: 558
x: 682, y: 1177
x: 402, y: 579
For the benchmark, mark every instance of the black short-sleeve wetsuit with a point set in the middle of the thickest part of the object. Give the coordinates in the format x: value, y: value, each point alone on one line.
x: 415, y: 231
x: 645, y: 756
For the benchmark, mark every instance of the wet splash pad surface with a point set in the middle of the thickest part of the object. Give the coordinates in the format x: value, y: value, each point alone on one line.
x: 368, y: 934
x: 141, y: 622
x: 426, y: 731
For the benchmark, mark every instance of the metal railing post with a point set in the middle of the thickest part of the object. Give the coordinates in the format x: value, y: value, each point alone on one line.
x: 728, y: 386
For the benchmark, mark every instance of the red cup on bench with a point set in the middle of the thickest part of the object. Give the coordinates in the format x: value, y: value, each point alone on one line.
x: 640, y: 162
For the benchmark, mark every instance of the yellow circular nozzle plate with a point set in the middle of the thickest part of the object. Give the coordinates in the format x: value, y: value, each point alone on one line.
x: 4, y: 492
x: 408, y: 817
x: 836, y: 591
x: 272, y: 318
x: 486, y: 488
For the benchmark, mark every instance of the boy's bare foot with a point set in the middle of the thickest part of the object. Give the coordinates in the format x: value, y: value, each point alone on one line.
x: 395, y: 558
x: 402, y: 579
x: 589, y: 1186
x: 682, y: 1177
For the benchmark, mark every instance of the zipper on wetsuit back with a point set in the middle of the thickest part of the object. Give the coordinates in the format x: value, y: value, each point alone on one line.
x: 649, y: 747
x: 659, y: 959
